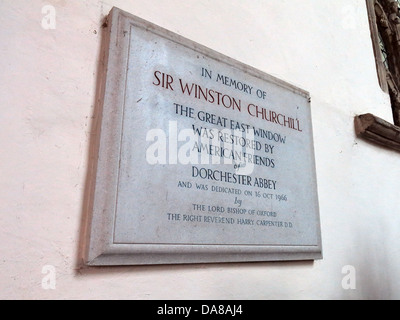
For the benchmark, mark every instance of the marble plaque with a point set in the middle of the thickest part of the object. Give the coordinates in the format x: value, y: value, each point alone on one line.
x: 201, y: 159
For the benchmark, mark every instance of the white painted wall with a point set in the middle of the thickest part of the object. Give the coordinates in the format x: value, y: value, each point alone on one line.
x: 47, y: 88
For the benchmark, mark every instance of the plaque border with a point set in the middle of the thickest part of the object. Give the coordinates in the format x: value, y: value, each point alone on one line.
x: 100, y: 250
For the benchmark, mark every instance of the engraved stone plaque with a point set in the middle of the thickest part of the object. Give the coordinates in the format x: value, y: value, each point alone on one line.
x: 201, y: 158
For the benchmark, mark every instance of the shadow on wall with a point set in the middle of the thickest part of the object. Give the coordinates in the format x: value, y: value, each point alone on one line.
x: 94, y: 271
x: 87, y: 202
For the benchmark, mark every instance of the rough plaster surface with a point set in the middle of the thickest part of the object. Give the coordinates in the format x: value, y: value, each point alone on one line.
x: 47, y: 96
